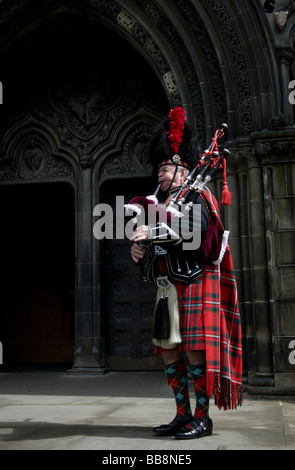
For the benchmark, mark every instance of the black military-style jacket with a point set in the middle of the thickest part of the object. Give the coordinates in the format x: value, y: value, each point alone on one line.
x: 175, y: 243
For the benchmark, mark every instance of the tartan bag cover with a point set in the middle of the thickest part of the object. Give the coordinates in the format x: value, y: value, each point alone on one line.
x: 223, y: 335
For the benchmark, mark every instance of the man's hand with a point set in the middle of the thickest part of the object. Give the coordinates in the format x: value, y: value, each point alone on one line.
x: 137, y: 252
x: 141, y: 233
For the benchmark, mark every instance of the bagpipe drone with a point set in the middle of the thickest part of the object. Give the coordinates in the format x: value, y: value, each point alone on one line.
x: 202, y: 173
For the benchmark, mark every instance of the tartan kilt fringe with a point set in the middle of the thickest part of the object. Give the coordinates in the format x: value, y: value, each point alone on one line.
x: 228, y: 395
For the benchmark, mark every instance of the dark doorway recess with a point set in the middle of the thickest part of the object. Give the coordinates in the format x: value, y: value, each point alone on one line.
x: 128, y: 303
x: 37, y: 273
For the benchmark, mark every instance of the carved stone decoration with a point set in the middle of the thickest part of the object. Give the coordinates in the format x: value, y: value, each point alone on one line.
x: 61, y: 169
x: 278, y: 122
x: 286, y: 54
x: 8, y: 171
x: 281, y: 19
x: 126, y: 20
x: 117, y: 166
x: 85, y: 157
x: 122, y: 312
x: 136, y: 146
x: 85, y: 105
x: 33, y: 159
x: 239, y: 64
x: 274, y: 150
x: 268, y: 6
x: 33, y: 156
x: 123, y: 341
x: 134, y: 156
x: 170, y: 82
x: 280, y: 5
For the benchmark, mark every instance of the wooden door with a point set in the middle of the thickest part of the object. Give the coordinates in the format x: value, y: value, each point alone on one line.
x: 129, y: 302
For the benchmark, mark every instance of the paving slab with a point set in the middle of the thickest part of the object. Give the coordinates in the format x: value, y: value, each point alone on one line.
x: 117, y: 411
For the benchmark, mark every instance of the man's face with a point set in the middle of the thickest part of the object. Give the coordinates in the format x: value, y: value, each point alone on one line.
x: 166, y: 174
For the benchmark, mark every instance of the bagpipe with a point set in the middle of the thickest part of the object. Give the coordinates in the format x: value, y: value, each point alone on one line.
x: 208, y: 166
x: 210, y: 161
x: 203, y: 172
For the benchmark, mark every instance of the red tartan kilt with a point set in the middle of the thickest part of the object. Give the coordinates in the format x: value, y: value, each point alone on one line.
x: 191, y: 318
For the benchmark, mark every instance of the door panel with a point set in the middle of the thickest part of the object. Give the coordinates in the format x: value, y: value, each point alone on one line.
x: 129, y: 301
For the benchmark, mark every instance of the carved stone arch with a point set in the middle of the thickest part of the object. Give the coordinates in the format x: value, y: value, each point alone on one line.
x: 184, y: 44
x: 167, y: 41
x: 243, y: 90
x: 125, y: 153
x: 29, y: 152
x: 149, y: 28
x: 179, y: 44
x: 238, y: 30
x: 289, y: 38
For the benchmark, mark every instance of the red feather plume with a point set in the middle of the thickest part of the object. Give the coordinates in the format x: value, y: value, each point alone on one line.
x: 176, y: 125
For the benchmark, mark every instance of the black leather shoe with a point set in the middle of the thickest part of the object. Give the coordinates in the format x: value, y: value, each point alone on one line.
x: 170, y: 429
x: 197, y: 428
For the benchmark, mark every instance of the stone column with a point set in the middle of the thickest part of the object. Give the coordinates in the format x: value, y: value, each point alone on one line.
x: 259, y: 277
x: 254, y: 269
x: 89, y: 344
